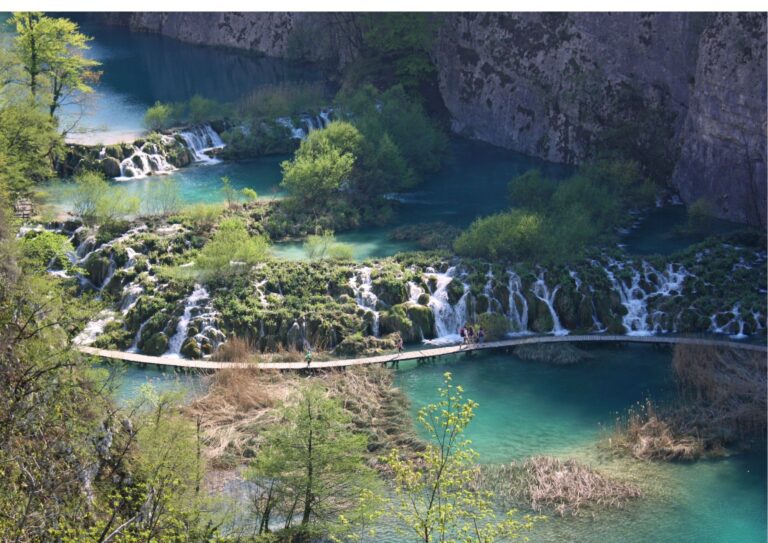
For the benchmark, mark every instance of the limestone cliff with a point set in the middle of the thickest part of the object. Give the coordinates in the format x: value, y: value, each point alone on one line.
x: 684, y: 92
x: 724, y: 137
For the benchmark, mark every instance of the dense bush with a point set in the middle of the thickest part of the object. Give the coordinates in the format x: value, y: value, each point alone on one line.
x: 95, y: 201
x: 231, y: 251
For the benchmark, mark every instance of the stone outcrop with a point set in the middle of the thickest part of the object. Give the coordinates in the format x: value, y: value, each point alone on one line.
x: 687, y: 90
x: 723, y: 140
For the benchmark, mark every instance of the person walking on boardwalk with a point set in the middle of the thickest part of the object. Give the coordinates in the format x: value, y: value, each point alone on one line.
x: 399, y: 345
x: 308, y: 356
x: 463, y: 334
x: 470, y: 335
x: 481, y: 335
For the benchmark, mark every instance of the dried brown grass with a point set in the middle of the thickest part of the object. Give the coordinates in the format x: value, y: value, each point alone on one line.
x: 722, y: 402
x: 240, y: 404
x: 548, y: 484
x: 235, y: 349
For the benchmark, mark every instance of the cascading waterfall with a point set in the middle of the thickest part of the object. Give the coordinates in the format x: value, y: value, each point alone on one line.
x: 200, y: 140
x: 94, y: 328
x: 134, y: 348
x: 644, y: 284
x: 198, y: 295
x: 735, y: 325
x: 494, y: 305
x: 364, y: 297
x: 518, y: 318
x: 448, y: 318
x: 307, y: 123
x: 541, y: 291
x: 143, y: 162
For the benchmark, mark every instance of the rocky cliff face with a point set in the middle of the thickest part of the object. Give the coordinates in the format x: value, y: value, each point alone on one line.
x: 685, y: 92
x: 723, y: 140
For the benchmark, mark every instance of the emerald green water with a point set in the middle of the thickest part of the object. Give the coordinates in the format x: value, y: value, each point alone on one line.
x: 529, y: 408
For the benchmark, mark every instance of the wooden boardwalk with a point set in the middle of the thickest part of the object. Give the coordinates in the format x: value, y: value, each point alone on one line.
x: 414, y: 355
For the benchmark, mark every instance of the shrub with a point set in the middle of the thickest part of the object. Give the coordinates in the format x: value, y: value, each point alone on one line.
x: 495, y: 325
x: 40, y: 250
x: 249, y: 194
x: 158, y: 116
x: 164, y: 198
x: 511, y: 235
x: 96, y: 201
x: 231, y: 251
x: 324, y: 245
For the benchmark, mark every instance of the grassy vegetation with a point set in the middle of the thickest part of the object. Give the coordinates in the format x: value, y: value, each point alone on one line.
x: 556, y: 222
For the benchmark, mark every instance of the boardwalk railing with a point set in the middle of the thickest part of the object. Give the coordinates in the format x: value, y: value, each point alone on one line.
x: 413, y: 355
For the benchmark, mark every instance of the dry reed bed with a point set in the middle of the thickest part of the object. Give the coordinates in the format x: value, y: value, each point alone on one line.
x: 240, y: 404
x: 722, y: 402
x: 550, y: 485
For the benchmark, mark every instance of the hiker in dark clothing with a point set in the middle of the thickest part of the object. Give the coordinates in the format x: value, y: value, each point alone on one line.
x: 470, y: 335
x: 463, y: 334
x: 399, y: 345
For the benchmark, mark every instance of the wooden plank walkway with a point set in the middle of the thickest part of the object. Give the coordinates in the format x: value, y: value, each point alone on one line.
x: 413, y: 355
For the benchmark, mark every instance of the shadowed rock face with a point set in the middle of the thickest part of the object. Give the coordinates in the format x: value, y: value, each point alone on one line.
x: 723, y: 157
x: 558, y: 85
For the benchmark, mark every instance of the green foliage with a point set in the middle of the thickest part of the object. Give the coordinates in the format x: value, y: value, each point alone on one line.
x: 163, y: 198
x: 201, y: 216
x: 204, y: 109
x: 395, y: 116
x: 437, y: 500
x: 95, y: 201
x: 557, y: 221
x: 531, y: 191
x: 28, y: 143
x: 396, y: 48
x: 158, y: 116
x: 50, y: 52
x: 39, y: 250
x: 700, y: 215
x: 249, y: 194
x: 323, y: 162
x: 514, y: 235
x: 281, y: 100
x: 494, y: 325
x: 231, y: 251
x: 324, y: 245
x: 313, y: 462
x: 229, y: 192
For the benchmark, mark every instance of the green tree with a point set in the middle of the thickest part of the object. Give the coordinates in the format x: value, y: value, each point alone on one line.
x: 158, y: 116
x: 164, y: 197
x: 97, y: 202
x: 249, y: 194
x: 436, y: 496
x: 229, y: 192
x: 29, y: 140
x: 316, y: 460
x: 324, y: 245
x: 513, y: 235
x: 231, y: 251
x: 323, y: 164
x: 50, y: 49
x: 397, y: 46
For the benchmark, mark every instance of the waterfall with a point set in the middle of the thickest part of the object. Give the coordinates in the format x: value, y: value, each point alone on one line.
x: 364, y: 297
x: 735, y: 325
x: 518, y: 319
x: 643, y: 285
x: 448, y: 318
x: 141, y: 164
x: 494, y: 305
x: 200, y: 139
x: 307, y: 123
x: 174, y: 345
x: 94, y: 328
x: 134, y: 348
x: 131, y: 295
x: 541, y: 291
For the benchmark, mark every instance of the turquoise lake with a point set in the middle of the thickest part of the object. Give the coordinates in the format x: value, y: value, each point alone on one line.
x: 533, y: 408
x: 526, y: 408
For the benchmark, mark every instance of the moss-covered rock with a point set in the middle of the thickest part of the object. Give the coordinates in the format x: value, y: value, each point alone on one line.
x: 422, y: 322
x: 156, y: 345
x: 110, y: 166
x: 494, y: 325
x: 191, y: 349
x: 455, y: 290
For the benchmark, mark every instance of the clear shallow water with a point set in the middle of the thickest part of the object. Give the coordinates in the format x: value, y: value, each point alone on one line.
x: 131, y: 377
x: 536, y: 408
